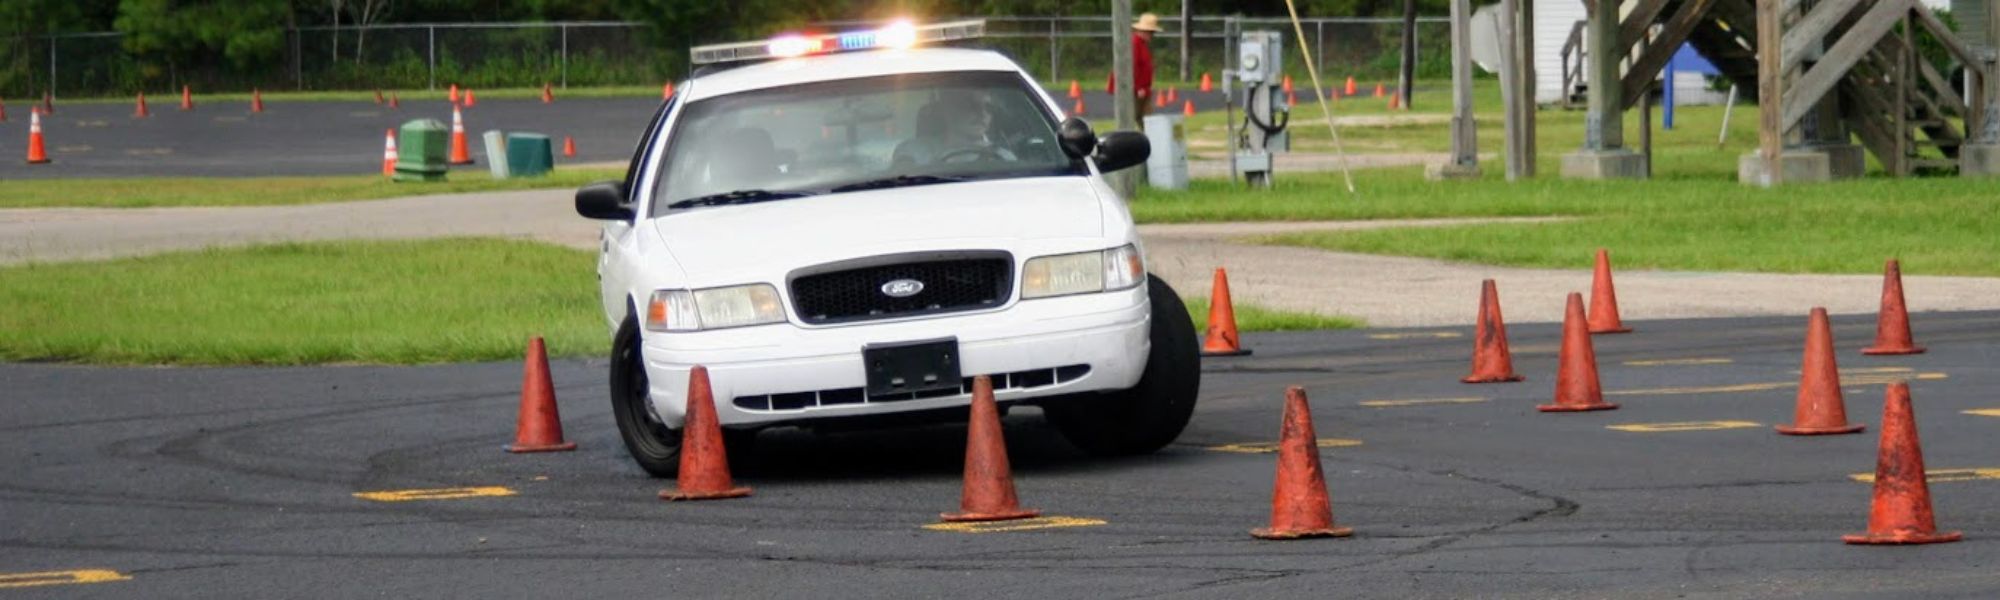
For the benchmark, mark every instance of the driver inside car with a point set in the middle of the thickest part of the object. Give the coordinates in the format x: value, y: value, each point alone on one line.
x: 952, y: 129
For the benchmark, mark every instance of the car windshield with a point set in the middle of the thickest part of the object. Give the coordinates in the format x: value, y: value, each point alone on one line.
x: 870, y: 133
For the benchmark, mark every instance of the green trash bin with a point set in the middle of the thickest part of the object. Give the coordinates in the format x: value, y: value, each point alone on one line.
x: 420, y: 150
x: 528, y: 155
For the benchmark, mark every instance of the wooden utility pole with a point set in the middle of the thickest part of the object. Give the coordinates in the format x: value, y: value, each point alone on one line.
x: 1187, y: 35
x: 1524, y: 52
x: 1406, y: 80
x: 1464, y: 134
x: 1511, y: 93
x: 1123, y: 103
x: 1770, y: 91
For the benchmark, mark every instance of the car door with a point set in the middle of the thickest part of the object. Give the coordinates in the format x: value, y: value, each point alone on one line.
x: 616, y: 240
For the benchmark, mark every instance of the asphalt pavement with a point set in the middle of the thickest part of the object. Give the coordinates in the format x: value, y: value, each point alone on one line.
x: 242, y: 482
x: 224, y: 139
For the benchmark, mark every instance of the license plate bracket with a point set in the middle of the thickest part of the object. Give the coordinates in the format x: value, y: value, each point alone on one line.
x: 912, y: 367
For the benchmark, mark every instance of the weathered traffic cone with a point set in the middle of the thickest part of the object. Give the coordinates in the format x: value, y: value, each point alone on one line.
x: 1892, y: 323
x: 1604, y: 299
x: 1492, y: 362
x: 1078, y: 112
x: 1207, y: 85
x: 1900, y: 510
x: 988, y: 494
x: 378, y: 96
x: 1350, y: 86
x: 1159, y: 101
x: 469, y: 100
x: 548, y: 94
x: 187, y: 98
x: 1380, y: 91
x: 1300, y: 507
x: 539, y: 426
x: 1187, y: 108
x: 1576, y: 371
x: 1075, y: 89
x: 256, y: 100
x: 1820, y: 409
x: 667, y: 90
x: 452, y: 96
x: 1286, y: 83
x: 140, y: 111
x: 569, y: 147
x: 37, y: 154
x: 389, y: 154
x: 704, y: 472
x: 1396, y: 100
x: 1221, y: 339
x: 1110, y: 83
x: 1291, y: 99
x: 460, y: 154
x: 394, y: 101
x: 1173, y: 95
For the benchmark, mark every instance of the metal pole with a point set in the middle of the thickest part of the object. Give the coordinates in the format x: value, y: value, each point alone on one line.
x: 1319, y: 42
x: 565, y: 57
x: 1667, y: 100
x: 1464, y: 140
x: 52, y: 65
x: 1187, y: 35
x: 1055, y: 51
x: 1406, y: 75
x: 1511, y: 93
x: 433, y: 53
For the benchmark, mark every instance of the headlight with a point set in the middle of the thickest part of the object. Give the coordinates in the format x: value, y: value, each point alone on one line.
x: 714, y: 308
x: 1082, y: 273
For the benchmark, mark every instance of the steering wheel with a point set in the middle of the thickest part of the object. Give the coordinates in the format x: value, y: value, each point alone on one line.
x: 975, y: 153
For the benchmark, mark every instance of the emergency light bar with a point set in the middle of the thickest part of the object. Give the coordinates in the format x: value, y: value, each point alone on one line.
x: 900, y: 34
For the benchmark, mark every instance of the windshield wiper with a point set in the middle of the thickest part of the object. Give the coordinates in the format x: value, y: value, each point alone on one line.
x: 738, y: 197
x: 897, y: 181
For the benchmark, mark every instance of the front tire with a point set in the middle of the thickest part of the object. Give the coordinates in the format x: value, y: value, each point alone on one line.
x: 1150, y: 415
x: 656, y: 447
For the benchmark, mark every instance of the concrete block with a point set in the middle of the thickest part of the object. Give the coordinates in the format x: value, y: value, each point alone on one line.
x: 1444, y: 171
x: 1604, y: 164
x: 1796, y: 166
x: 1979, y: 160
x: 1845, y: 161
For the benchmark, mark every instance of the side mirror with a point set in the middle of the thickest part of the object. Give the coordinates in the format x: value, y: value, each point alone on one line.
x: 1076, y: 137
x: 603, y: 201
x: 1122, y: 149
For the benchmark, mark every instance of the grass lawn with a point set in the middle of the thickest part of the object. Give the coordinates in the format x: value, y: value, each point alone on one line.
x: 265, y: 191
x: 1256, y: 318
x: 395, y: 302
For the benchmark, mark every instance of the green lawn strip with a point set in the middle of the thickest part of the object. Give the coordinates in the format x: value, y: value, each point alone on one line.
x: 171, y: 97
x: 399, y: 302
x: 266, y: 191
x: 1255, y: 318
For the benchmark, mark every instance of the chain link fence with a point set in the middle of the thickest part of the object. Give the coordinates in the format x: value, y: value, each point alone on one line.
x: 486, y: 55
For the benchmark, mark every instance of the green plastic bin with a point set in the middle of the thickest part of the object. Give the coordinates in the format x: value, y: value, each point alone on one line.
x: 528, y: 155
x: 420, y: 151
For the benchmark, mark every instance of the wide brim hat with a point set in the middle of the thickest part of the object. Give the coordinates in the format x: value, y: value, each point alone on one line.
x: 1147, y: 22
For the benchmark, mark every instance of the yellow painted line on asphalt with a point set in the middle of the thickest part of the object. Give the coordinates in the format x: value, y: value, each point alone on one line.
x: 21, y: 580
x: 1420, y: 402
x: 1681, y: 426
x: 1015, y: 525
x: 1872, y: 370
x: 1888, y: 379
x: 93, y: 123
x: 1714, y: 389
x: 1678, y: 362
x: 435, y: 494
x: 1983, y: 412
x: 1941, y: 475
x: 1270, y: 447
x: 230, y: 119
x: 77, y: 149
x: 1439, y: 335
x: 149, y: 151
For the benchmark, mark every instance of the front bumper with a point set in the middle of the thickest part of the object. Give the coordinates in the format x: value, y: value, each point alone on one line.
x: 1106, y: 332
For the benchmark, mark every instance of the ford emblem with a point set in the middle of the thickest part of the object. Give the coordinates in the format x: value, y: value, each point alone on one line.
x: 902, y: 288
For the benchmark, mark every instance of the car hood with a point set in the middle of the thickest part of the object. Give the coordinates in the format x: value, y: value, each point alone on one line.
x: 732, y: 243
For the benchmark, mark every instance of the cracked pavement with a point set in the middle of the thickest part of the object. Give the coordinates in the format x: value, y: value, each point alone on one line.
x: 239, y: 482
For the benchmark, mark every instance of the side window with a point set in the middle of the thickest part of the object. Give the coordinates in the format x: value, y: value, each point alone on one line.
x: 642, y: 151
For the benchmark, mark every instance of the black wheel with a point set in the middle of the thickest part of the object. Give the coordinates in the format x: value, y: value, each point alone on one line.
x: 1148, y: 416
x: 656, y: 447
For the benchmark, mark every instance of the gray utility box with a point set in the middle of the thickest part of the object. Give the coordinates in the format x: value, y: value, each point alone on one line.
x: 1167, y: 168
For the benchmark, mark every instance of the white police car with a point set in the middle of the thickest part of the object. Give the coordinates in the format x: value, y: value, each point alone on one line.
x: 846, y: 228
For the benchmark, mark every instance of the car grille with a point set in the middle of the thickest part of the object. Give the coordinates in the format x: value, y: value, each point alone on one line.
x: 955, y: 284
x: 1019, y: 380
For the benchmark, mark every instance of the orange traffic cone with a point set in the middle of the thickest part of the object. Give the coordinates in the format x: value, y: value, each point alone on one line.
x: 36, y: 153
x: 140, y: 111
x: 394, y: 101
x: 1604, y: 299
x: 667, y: 90
x: 1300, y: 507
x: 1492, y: 362
x: 569, y: 147
x: 1380, y: 91
x: 378, y: 96
x: 1350, y: 86
x: 1207, y: 85
x: 1291, y: 99
x: 988, y: 494
x: 1395, y: 100
x: 1078, y: 112
x: 539, y: 426
x: 452, y: 96
x: 1075, y: 89
x: 1286, y: 83
x: 1159, y: 101
x: 460, y: 155
x: 3, y: 112
x: 256, y: 100
x: 548, y: 94
x: 1221, y: 339
x: 1173, y: 95
x: 1900, y: 511
x: 389, y: 154
x: 469, y: 100
x: 1892, y: 324
x: 1110, y: 83
x: 1820, y: 409
x: 48, y: 104
x: 1576, y: 371
x: 1187, y: 108
x: 704, y: 472
x: 187, y: 98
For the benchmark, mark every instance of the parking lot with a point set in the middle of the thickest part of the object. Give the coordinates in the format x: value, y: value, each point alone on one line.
x: 257, y: 482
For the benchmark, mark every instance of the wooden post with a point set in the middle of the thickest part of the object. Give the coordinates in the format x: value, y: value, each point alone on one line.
x: 1989, y: 123
x: 1464, y: 132
x: 1770, y: 92
x: 1525, y: 58
x: 1604, y: 127
x: 1123, y: 103
x: 1904, y: 165
x: 1510, y: 92
x: 1406, y: 84
x: 1187, y: 35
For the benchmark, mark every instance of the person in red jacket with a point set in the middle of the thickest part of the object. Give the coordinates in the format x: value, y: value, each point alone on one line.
x: 1142, y: 60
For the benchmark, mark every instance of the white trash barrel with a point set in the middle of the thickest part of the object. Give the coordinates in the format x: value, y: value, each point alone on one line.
x: 496, y: 153
x: 1167, y: 168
